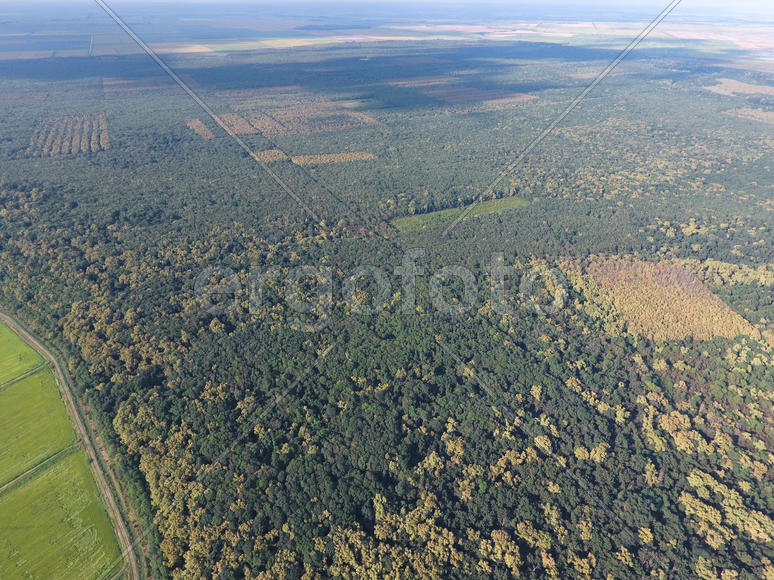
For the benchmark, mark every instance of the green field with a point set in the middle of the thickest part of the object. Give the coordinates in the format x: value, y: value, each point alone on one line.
x: 54, y: 525
x: 52, y: 521
x: 16, y: 357
x: 419, y: 222
x: 35, y: 424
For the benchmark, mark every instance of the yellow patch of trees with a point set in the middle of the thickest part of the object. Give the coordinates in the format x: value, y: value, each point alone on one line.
x: 332, y: 158
x: 756, y: 525
x: 200, y: 128
x: 279, y: 111
x: 719, y: 273
x: 662, y: 301
x: 501, y: 548
x: 413, y: 543
x: 592, y: 399
x: 69, y: 135
x: 270, y: 155
x: 237, y: 124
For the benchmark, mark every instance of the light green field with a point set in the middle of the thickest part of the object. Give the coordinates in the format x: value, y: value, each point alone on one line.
x: 54, y: 526
x: 33, y: 422
x: 52, y: 522
x: 16, y: 357
x: 419, y: 222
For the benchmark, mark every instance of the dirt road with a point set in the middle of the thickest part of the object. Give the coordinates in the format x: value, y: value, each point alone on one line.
x: 124, y: 539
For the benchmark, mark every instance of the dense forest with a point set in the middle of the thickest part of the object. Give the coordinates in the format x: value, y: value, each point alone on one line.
x: 600, y: 405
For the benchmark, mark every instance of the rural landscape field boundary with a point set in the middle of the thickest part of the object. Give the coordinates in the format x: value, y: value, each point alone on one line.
x: 98, y: 468
x: 22, y: 376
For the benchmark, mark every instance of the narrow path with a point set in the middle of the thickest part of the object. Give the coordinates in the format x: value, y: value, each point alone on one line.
x: 89, y: 446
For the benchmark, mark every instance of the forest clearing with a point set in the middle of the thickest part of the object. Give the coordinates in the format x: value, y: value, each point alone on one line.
x: 421, y: 221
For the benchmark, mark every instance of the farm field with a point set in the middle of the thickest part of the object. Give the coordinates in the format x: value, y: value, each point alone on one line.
x: 16, y: 358
x: 55, y: 526
x: 148, y: 84
x: 35, y: 425
x: 443, y: 89
x: 53, y: 521
x: 422, y: 221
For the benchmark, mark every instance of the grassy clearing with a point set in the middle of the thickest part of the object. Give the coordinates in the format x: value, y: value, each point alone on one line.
x: 419, y: 222
x: 54, y: 526
x: 35, y: 424
x: 16, y: 357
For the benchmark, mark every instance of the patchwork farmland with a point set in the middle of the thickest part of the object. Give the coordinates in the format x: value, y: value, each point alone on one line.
x: 53, y: 520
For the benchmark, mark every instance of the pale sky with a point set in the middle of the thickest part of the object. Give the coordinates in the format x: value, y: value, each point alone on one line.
x: 762, y: 8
